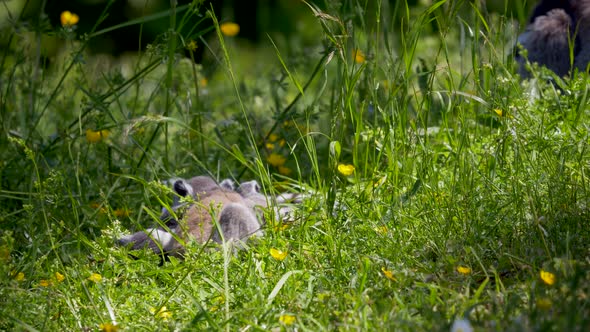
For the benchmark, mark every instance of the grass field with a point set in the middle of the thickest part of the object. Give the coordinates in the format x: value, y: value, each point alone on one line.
x: 442, y: 187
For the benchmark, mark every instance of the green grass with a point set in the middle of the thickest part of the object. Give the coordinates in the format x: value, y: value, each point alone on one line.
x: 457, y: 164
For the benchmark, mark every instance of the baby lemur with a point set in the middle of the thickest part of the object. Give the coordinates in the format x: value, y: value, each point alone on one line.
x: 207, y: 203
x: 282, y: 204
x: 198, y: 204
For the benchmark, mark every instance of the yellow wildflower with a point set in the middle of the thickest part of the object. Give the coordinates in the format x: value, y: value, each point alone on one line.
x: 544, y: 303
x: 19, y: 276
x: 273, y: 137
x: 163, y: 313
x: 203, y: 82
x: 59, y: 277
x: 276, y: 159
x: 388, y: 274
x: 44, y: 283
x: 282, y: 142
x: 108, y: 327
x: 269, y: 146
x: 547, y: 277
x: 278, y: 254
x: 285, y: 170
x: 68, y: 18
x: 381, y: 230
x: 121, y: 212
x: 359, y: 56
x: 229, y: 29
x: 287, y: 319
x: 280, y: 227
x: 93, y: 136
x: 501, y: 113
x: 97, y: 206
x: 380, y: 181
x: 192, y: 46
x: 345, y: 169
x: 95, y: 277
x: 464, y: 270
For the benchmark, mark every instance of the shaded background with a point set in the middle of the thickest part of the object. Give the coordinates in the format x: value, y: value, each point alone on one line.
x: 255, y: 17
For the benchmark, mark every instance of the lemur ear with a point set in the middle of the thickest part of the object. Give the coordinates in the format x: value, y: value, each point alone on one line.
x: 182, y: 188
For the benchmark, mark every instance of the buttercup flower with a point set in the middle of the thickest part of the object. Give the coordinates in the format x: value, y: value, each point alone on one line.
x: 229, y: 29
x: 280, y: 227
x: 388, y: 274
x: 68, y: 18
x: 381, y: 230
x: 192, y: 46
x: 276, y: 159
x: 359, y: 56
x: 108, y: 327
x: 44, y: 283
x: 93, y: 136
x: 464, y: 270
x: 547, y: 277
x: 59, y: 277
x: 95, y: 277
x: 163, y: 313
x: 345, y: 169
x: 121, y: 213
x: 278, y: 254
x: 19, y: 276
x: 287, y: 319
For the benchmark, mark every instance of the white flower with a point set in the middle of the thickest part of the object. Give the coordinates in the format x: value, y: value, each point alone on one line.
x: 461, y: 325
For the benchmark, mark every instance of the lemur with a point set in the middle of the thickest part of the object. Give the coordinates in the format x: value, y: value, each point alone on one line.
x: 234, y: 213
x: 251, y: 191
x: 238, y: 211
x: 555, y: 28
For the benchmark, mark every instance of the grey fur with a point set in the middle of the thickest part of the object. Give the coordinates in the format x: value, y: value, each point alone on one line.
x: 211, y: 202
x: 282, y: 204
x: 547, y: 42
x: 228, y: 184
x: 554, y: 28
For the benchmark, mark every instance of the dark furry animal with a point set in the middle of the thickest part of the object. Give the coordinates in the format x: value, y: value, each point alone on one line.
x: 556, y: 28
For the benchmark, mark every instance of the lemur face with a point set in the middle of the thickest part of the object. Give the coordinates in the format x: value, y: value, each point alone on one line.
x: 249, y: 188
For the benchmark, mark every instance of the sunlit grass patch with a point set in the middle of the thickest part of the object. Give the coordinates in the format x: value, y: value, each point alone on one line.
x: 439, y: 192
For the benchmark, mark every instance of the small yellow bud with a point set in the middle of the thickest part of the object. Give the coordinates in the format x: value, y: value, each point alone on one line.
x: 229, y: 29
x: 68, y: 18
